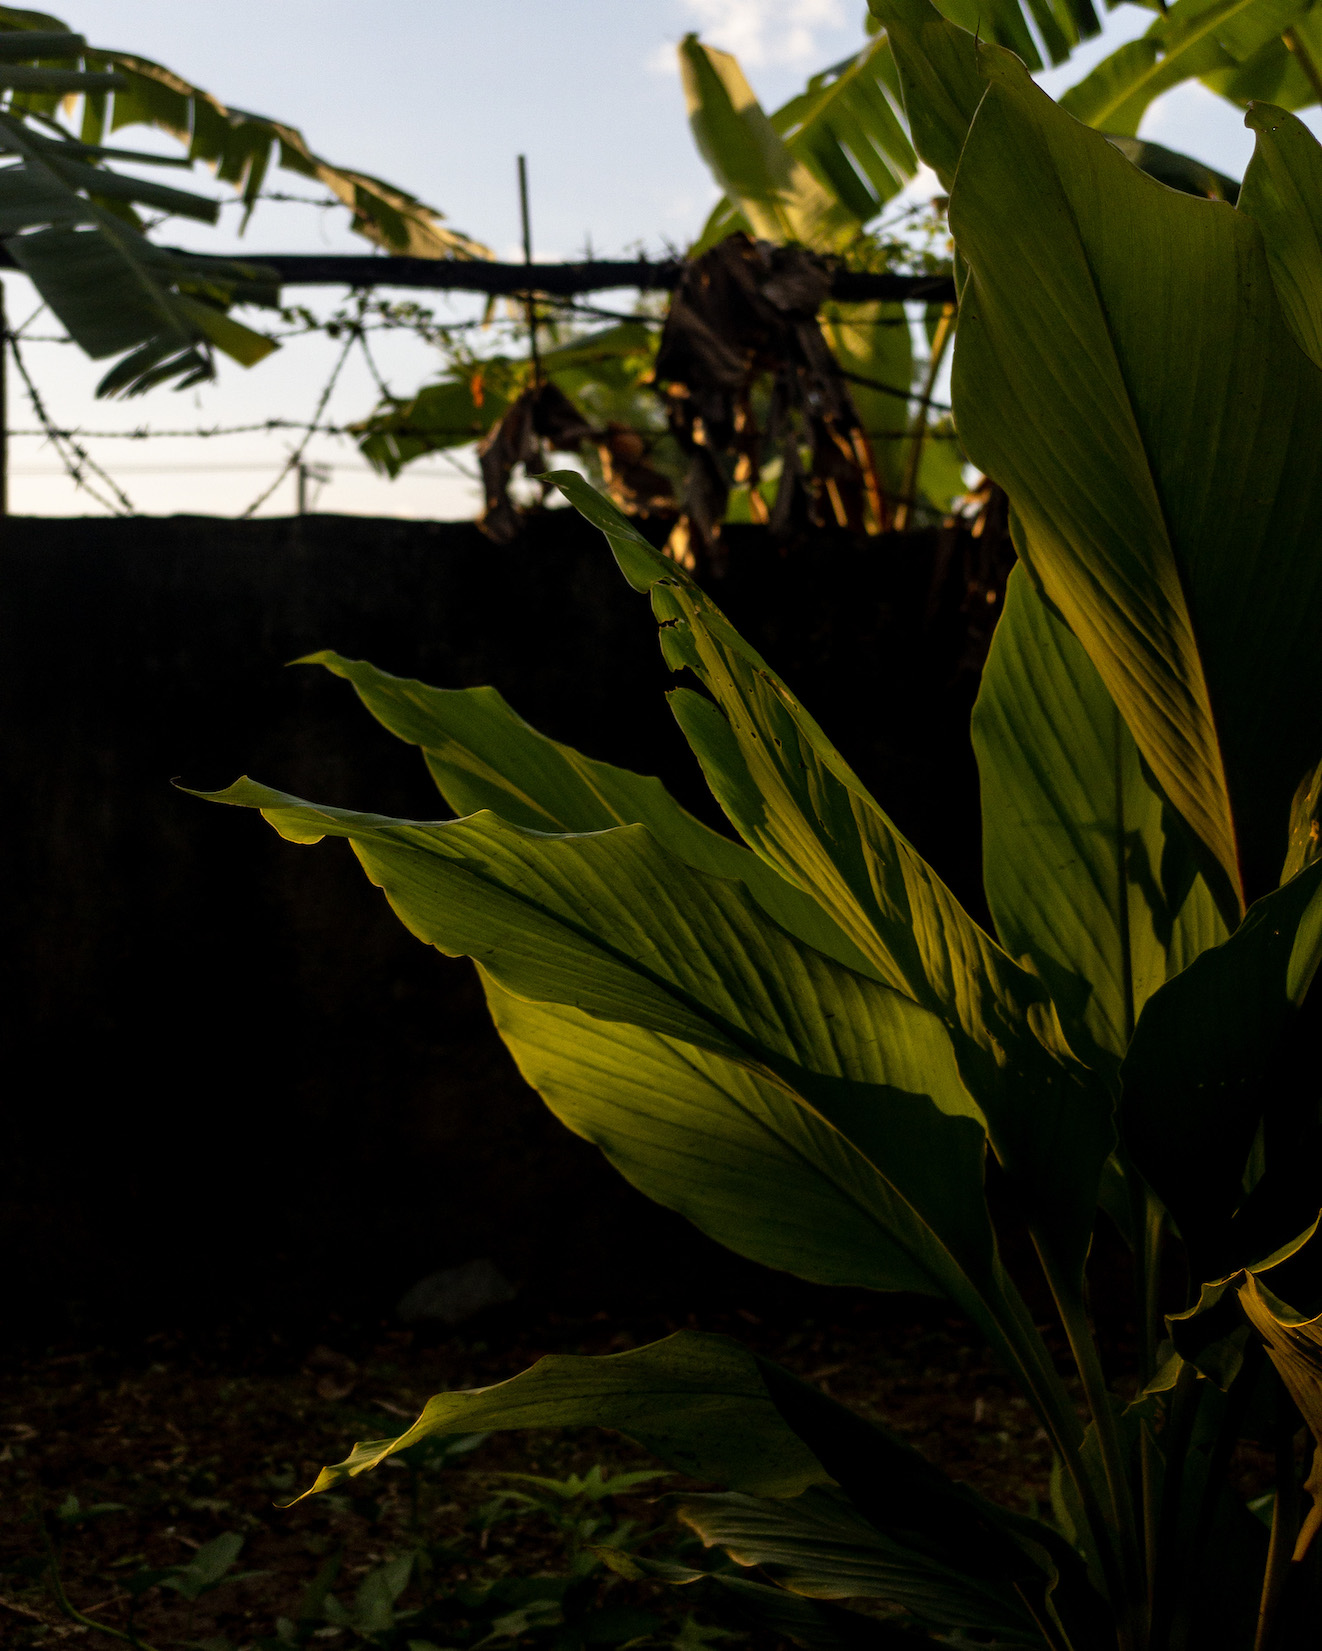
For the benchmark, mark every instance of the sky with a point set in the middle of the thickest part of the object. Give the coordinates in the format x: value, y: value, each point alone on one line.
x: 440, y: 97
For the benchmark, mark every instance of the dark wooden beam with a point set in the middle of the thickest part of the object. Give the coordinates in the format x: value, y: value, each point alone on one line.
x: 299, y: 269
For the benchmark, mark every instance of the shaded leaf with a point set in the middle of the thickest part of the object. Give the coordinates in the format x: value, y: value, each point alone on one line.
x: 1085, y: 871
x: 818, y: 1546
x: 1200, y: 1072
x: 1283, y: 195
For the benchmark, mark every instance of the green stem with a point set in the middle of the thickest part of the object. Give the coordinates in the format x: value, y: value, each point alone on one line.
x: 1175, y: 1439
x: 1214, y: 1480
x: 1122, y: 1525
x: 1026, y: 1353
x: 1149, y: 1461
x: 1285, y: 1528
x: 945, y: 328
x: 70, y: 1611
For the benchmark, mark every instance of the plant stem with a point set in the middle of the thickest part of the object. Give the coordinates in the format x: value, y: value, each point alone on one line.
x: 1214, y: 1481
x: 1285, y: 1527
x: 1122, y: 1525
x: 1175, y: 1439
x: 1026, y: 1354
x: 909, y: 491
x: 74, y: 1615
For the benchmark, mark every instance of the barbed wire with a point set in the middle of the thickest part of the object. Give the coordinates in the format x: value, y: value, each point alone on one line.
x: 296, y: 457
x: 120, y: 504
x: 201, y: 431
x: 367, y: 315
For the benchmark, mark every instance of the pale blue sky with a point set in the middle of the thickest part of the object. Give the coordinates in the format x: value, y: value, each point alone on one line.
x: 440, y: 96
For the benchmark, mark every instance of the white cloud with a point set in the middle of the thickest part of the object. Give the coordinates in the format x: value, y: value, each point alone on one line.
x: 764, y: 31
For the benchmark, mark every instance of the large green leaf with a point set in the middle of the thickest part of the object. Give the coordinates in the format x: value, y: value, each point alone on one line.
x: 1283, y: 195
x: 1152, y: 432
x: 482, y: 754
x: 1085, y: 871
x: 610, y: 924
x: 796, y: 802
x: 938, y: 69
x: 715, y: 1141
x: 697, y: 1401
x: 1204, y: 1067
x: 818, y: 1545
x: 724, y: 1146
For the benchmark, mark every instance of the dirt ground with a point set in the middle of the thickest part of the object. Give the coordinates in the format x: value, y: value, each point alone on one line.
x: 126, y: 1465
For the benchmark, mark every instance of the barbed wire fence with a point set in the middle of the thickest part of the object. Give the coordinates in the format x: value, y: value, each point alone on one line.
x: 560, y: 295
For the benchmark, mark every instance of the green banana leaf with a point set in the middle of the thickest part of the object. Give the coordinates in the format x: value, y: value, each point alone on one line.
x: 775, y: 192
x: 69, y: 215
x: 796, y: 803
x: 71, y: 227
x: 1086, y: 393
x: 1086, y: 873
x: 603, y: 371
x: 845, y: 129
x: 1192, y: 39
x: 1061, y: 25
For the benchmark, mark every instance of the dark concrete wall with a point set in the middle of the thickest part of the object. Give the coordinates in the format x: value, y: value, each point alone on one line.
x: 237, y: 1087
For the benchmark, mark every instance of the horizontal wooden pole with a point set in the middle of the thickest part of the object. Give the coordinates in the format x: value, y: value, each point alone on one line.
x: 299, y: 269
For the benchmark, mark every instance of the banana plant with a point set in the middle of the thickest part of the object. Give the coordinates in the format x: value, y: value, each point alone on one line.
x: 72, y: 218
x: 805, y: 1045
x: 1240, y: 49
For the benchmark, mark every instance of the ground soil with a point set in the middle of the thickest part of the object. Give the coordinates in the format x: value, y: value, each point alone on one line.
x: 198, y: 1436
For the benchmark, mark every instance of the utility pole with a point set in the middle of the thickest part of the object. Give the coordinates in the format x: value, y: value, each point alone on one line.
x: 306, y: 473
